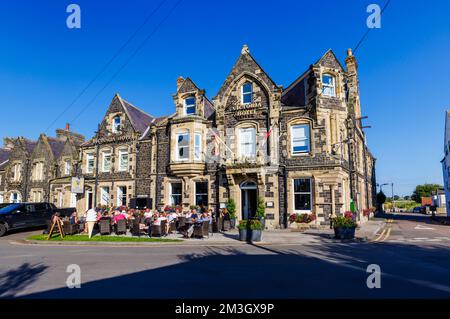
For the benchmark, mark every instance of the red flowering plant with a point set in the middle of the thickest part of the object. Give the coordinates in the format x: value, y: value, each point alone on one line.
x: 302, y: 218
x: 346, y: 221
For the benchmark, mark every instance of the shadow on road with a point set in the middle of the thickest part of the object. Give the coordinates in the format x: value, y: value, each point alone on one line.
x: 331, y: 271
x: 15, y: 280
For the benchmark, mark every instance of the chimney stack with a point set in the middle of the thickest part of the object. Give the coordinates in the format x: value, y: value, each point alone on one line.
x: 180, y: 82
x: 67, y: 127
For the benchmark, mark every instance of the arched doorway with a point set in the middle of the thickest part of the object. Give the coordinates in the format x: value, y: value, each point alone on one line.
x: 249, y: 195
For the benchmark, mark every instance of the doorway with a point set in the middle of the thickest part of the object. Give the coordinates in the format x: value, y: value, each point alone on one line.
x: 249, y: 196
x: 89, y: 199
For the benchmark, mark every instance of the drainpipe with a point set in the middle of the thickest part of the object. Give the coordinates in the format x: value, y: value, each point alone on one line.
x: 157, y: 168
x: 97, y: 151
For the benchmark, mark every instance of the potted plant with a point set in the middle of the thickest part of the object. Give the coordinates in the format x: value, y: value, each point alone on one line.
x: 261, y: 211
x: 344, y: 226
x: 255, y: 228
x: 243, y: 224
x: 231, y: 208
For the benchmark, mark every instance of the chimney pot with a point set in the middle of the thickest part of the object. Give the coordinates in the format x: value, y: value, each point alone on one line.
x: 67, y: 127
x: 180, y: 82
x: 349, y: 52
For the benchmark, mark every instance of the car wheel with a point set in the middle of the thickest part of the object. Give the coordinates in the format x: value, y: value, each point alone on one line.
x: 2, y: 230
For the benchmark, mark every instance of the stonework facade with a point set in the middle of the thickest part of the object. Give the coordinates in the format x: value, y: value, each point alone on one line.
x: 300, y: 150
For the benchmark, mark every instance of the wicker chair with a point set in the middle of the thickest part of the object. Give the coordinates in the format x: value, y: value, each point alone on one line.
x: 105, y: 226
x: 181, y: 224
x: 70, y: 229
x: 156, y: 230
x: 121, y: 227
x: 172, y: 227
x: 135, y: 228
x: 201, y: 230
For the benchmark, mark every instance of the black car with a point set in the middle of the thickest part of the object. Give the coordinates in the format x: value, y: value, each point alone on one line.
x: 24, y: 215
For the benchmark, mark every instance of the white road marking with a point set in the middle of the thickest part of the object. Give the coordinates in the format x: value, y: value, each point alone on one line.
x: 423, y: 227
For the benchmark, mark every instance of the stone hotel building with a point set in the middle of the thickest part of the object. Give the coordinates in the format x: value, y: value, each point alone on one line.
x: 301, y: 149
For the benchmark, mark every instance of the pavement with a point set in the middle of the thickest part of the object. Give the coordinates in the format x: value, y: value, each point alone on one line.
x: 412, y: 253
x: 364, y: 232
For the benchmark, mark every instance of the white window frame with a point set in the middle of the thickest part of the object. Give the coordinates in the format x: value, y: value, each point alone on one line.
x: 116, y: 126
x: 121, y: 195
x: 186, y: 106
x: 329, y: 89
x: 305, y: 139
x: 172, y: 202
x: 186, y: 133
x: 197, y: 146
x: 17, y: 172
x: 18, y: 198
x: 67, y: 167
x: 247, y: 93
x: 302, y: 193
x: 103, y: 200
x: 104, y: 156
x: 90, y: 169
x: 121, y: 153
x: 253, y: 153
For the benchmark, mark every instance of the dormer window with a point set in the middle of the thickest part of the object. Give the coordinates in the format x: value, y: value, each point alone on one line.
x: 116, y: 124
x: 189, y: 105
x: 247, y: 93
x: 328, y: 85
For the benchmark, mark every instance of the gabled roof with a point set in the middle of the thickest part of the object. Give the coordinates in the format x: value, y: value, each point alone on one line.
x: 29, y: 145
x: 244, y: 62
x: 139, y: 119
x: 208, y: 109
x: 188, y: 86
x: 329, y: 56
x: 56, y: 146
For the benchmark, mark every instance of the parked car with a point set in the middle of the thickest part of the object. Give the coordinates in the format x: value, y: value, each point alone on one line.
x: 417, y: 209
x: 4, y: 205
x: 25, y: 215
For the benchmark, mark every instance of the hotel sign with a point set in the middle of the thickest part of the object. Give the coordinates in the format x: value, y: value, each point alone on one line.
x: 243, y: 111
x: 77, y: 185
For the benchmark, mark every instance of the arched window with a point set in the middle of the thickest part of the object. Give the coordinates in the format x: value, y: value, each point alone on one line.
x: 328, y: 85
x: 247, y: 93
x: 116, y: 124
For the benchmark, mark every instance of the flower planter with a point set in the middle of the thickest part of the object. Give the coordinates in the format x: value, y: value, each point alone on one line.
x: 344, y: 233
x: 243, y: 233
x: 254, y: 235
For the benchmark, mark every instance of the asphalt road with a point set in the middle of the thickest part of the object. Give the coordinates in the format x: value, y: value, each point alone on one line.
x: 412, y: 253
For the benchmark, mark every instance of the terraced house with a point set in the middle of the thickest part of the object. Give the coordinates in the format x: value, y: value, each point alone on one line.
x: 301, y: 149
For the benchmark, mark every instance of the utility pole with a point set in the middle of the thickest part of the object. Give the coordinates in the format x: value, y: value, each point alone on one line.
x: 393, y: 201
x: 97, y: 151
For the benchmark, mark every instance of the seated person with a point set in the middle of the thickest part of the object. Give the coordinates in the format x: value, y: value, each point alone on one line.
x: 194, y: 219
x: 73, y: 218
x: 118, y: 216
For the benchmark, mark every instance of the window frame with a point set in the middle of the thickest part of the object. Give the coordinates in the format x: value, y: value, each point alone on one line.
x: 177, y: 146
x: 123, y: 152
x: 104, y: 155
x: 116, y: 127
x: 123, y: 195
x: 67, y: 167
x: 101, y: 195
x: 331, y: 87
x: 310, y: 210
x: 307, y: 139
x: 244, y: 94
x: 90, y: 170
x: 240, y: 130
x: 171, y: 195
x: 202, y: 194
x: 189, y: 106
x: 198, y: 147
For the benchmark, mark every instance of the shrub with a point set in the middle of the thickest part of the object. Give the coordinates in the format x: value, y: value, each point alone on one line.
x: 243, y: 224
x: 231, y: 208
x: 344, y: 222
x: 255, y: 224
x: 261, y: 209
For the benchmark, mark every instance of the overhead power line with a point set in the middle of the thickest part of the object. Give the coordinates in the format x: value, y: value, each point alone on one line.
x: 103, y: 69
x: 139, y: 48
x: 368, y: 29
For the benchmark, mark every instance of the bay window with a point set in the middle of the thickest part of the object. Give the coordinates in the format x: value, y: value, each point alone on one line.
x: 197, y: 146
x: 182, y: 146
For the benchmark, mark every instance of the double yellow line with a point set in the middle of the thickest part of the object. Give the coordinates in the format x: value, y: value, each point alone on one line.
x: 385, y: 233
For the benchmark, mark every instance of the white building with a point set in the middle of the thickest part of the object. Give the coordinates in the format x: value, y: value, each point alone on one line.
x: 446, y: 161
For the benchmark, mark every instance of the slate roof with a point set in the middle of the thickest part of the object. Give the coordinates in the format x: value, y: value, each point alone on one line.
x: 138, y: 118
x: 56, y: 146
x: 29, y: 145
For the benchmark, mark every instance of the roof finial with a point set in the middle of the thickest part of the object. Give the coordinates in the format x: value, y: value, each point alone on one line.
x: 245, y: 49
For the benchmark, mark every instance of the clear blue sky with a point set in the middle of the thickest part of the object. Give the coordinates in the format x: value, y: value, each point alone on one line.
x: 404, y: 67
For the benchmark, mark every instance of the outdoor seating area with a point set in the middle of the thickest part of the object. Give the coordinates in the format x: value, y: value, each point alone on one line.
x: 197, y: 223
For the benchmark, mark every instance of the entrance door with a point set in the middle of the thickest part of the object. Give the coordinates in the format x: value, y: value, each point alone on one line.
x: 249, y: 194
x: 89, y: 199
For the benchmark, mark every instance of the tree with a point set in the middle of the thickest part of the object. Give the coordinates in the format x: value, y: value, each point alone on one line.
x: 381, y: 198
x: 406, y: 197
x: 396, y: 197
x: 424, y: 190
